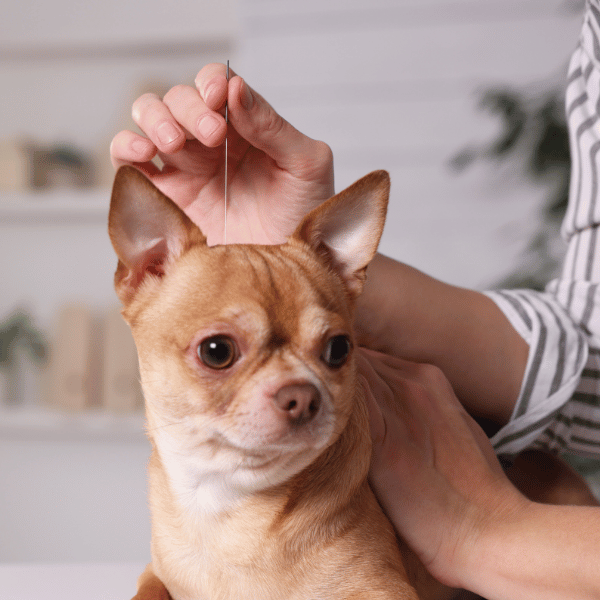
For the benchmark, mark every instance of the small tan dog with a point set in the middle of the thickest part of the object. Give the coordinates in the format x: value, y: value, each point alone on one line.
x: 261, y: 445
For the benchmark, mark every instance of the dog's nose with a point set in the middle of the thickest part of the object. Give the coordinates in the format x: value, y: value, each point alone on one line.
x: 299, y: 401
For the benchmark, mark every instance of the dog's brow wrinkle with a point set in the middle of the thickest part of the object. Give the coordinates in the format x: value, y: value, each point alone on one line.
x: 251, y: 265
x: 277, y: 340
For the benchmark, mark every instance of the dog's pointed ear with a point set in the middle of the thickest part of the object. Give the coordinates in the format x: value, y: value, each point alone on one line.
x: 147, y: 230
x: 346, y: 229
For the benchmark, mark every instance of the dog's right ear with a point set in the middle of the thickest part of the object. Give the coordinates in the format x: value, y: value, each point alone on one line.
x: 147, y: 230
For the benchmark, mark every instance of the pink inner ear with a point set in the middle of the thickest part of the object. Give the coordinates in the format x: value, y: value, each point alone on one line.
x: 153, y: 260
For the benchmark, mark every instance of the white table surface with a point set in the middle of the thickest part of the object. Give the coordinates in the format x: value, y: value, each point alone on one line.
x: 69, y: 581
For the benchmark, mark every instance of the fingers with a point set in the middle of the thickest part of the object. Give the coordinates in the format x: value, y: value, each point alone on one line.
x: 394, y: 401
x: 199, y: 121
x: 130, y: 148
x: 188, y: 112
x: 183, y: 114
x: 153, y: 117
x: 427, y: 397
x: 258, y: 123
x: 376, y: 419
x: 211, y: 83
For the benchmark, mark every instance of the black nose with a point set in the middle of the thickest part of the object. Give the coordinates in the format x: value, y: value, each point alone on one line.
x: 300, y: 402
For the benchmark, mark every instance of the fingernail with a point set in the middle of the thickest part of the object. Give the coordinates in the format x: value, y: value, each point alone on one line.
x: 208, y: 92
x: 208, y: 124
x: 246, y: 98
x: 167, y: 133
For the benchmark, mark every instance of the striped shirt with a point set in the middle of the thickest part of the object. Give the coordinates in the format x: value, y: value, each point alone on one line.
x: 559, y: 404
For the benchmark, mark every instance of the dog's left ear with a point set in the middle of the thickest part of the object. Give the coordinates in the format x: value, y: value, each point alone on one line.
x: 346, y: 229
x: 147, y: 230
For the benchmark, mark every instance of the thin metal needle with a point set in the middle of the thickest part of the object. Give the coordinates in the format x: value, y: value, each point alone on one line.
x: 226, y: 157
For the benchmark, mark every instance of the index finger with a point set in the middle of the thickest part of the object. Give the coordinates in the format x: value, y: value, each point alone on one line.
x: 211, y: 83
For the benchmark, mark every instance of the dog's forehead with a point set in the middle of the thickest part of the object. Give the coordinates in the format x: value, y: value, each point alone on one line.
x: 281, y: 286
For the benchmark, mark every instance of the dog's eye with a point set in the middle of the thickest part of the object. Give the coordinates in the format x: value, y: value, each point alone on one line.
x: 217, y: 352
x: 336, y: 351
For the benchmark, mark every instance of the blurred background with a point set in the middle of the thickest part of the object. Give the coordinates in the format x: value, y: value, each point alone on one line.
x: 461, y: 100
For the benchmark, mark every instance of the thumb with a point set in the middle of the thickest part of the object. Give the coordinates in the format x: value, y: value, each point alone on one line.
x: 259, y: 124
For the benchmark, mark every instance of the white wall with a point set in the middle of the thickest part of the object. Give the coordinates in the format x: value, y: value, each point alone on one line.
x: 73, y: 500
x: 388, y: 83
x: 393, y: 84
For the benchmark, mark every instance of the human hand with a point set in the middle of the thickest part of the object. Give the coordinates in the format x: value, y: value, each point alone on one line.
x: 275, y: 173
x: 433, y: 469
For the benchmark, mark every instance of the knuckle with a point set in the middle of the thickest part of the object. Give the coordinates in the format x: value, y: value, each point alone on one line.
x: 323, y: 154
x: 432, y: 375
x: 174, y: 93
x: 272, y: 123
x: 413, y: 389
x: 320, y: 164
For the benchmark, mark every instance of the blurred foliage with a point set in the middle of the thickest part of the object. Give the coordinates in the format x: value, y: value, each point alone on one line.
x: 18, y: 332
x: 534, y: 138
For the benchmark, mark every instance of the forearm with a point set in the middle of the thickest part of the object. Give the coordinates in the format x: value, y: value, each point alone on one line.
x: 410, y: 315
x: 543, y: 553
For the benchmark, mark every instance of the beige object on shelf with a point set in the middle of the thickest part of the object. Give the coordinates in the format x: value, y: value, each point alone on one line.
x: 71, y: 378
x: 121, y: 380
x: 15, y: 169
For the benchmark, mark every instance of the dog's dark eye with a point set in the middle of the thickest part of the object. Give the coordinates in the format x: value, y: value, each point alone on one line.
x: 217, y: 352
x: 336, y: 351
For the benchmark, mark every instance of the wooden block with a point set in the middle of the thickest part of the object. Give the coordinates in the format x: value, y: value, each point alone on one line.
x: 15, y: 171
x: 122, y: 392
x: 70, y: 375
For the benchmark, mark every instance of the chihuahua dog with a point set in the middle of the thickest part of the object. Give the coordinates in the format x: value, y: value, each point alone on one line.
x: 259, y: 430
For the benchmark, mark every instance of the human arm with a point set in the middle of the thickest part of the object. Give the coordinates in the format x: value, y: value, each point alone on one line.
x: 408, y: 314
x: 437, y: 478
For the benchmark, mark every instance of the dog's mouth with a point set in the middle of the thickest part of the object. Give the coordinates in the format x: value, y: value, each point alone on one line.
x: 268, y: 460
x: 253, y: 457
x: 262, y: 463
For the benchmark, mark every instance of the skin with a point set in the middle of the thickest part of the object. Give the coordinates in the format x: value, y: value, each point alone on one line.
x: 433, y: 469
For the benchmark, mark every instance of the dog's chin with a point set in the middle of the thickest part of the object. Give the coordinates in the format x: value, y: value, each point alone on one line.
x: 261, y: 464
x: 256, y: 474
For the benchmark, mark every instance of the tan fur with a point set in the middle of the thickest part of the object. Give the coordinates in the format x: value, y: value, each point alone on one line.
x: 245, y: 504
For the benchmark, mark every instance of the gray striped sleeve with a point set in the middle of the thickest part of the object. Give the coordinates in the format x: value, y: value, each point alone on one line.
x: 577, y: 425
x: 582, y: 103
x: 557, y: 356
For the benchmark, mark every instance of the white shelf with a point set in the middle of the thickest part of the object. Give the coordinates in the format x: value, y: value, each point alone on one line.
x: 56, y: 206
x: 45, y: 423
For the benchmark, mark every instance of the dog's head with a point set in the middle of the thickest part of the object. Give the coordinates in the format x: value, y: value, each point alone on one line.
x: 246, y: 351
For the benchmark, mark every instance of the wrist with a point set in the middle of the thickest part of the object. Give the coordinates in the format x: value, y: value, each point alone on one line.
x: 484, y: 560
x: 484, y: 534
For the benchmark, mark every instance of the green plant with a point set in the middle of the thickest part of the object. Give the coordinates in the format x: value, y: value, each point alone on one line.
x: 534, y: 138
x: 18, y: 334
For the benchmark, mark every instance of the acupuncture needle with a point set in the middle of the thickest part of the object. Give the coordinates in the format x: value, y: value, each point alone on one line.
x: 226, y: 157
